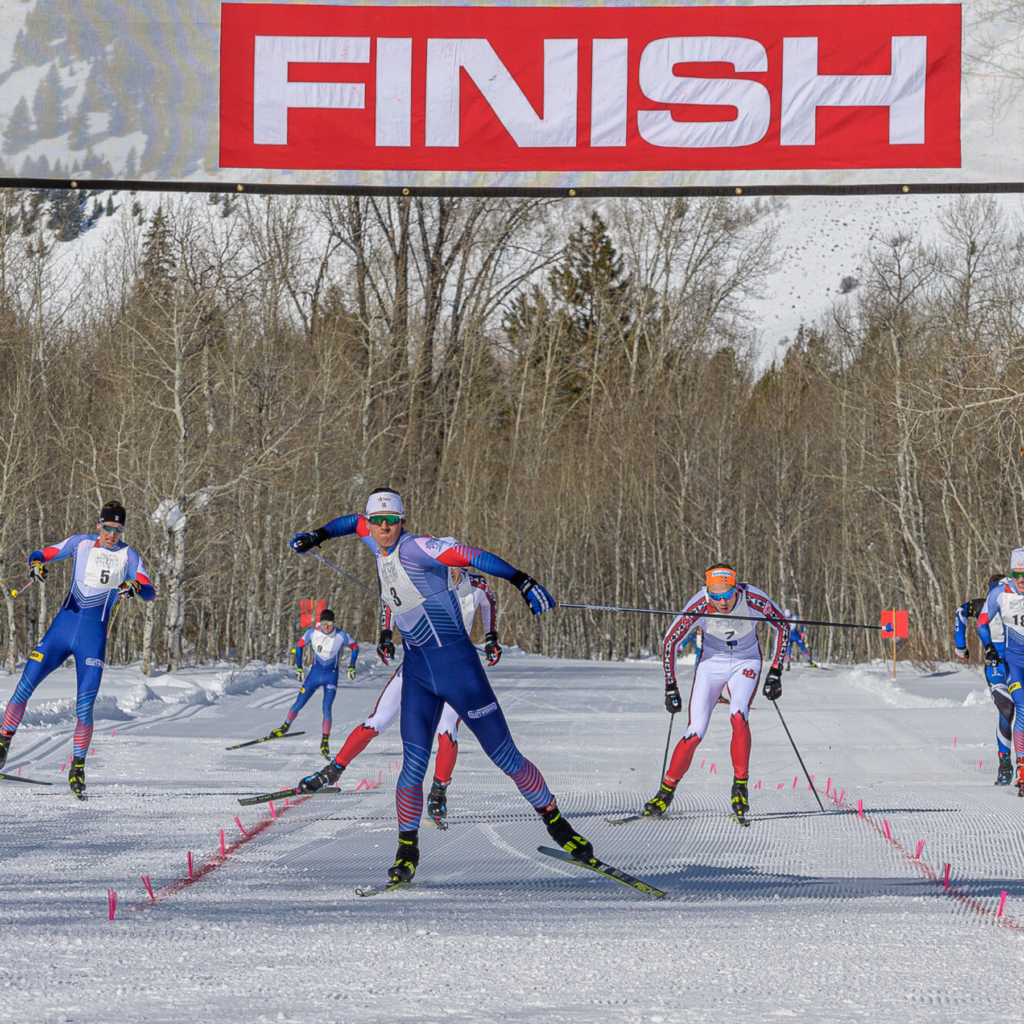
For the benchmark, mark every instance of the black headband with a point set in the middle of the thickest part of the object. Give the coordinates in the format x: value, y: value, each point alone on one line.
x: 112, y: 514
x: 327, y: 615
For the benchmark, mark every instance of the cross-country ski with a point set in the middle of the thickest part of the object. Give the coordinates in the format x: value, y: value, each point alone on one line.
x: 266, y: 739
x: 19, y: 778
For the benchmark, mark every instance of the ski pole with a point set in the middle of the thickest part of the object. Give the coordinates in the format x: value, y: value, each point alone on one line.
x: 341, y: 572
x: 798, y: 757
x: 668, y: 743
x: 16, y: 592
x: 712, y: 615
x: 113, y: 616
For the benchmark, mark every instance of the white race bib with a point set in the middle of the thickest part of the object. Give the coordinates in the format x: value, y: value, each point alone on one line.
x: 1013, y: 610
x: 324, y: 644
x: 105, y: 570
x: 728, y: 630
x: 396, y: 588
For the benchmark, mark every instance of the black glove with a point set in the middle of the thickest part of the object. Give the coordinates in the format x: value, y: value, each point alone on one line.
x: 539, y: 600
x: 385, y: 646
x: 327, y: 776
x: 992, y: 658
x: 37, y: 571
x: 773, y: 683
x: 492, y: 649
x: 302, y: 542
x: 129, y: 588
x: 673, y: 702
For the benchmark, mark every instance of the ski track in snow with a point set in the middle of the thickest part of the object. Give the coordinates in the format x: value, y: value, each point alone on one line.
x: 803, y: 914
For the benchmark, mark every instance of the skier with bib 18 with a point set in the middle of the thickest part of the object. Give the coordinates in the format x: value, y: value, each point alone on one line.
x: 1006, y: 601
x: 730, y: 656
x: 327, y: 643
x: 440, y: 665
x: 994, y: 675
x: 472, y: 592
x: 104, y: 571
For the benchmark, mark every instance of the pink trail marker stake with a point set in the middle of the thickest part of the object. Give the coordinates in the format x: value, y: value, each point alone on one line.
x: 860, y: 808
x: 63, y: 768
x: 920, y: 847
x: 380, y: 778
x: 828, y: 785
x: 888, y: 834
x: 19, y: 769
x: 93, y: 751
x: 241, y: 828
x: 946, y: 867
x: 1002, y: 903
x: 190, y: 864
x: 702, y: 764
x: 954, y: 743
x: 713, y: 770
x: 811, y: 786
x: 222, y: 850
x: 979, y: 764
x: 758, y: 786
x: 286, y: 802
x: 841, y: 795
x: 113, y: 734
x: 111, y: 903
x: 273, y: 813
x: 149, y: 887
x: 781, y: 785
x: 794, y: 781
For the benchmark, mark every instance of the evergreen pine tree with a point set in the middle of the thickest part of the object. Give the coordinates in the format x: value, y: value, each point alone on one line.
x: 48, y: 105
x: 20, y: 131
x: 110, y: 207
x: 78, y: 129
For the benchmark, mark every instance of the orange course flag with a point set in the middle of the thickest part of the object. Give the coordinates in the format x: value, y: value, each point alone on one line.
x: 309, y: 612
x: 895, y: 625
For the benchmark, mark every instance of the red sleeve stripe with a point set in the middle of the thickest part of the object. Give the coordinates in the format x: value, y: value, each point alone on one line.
x: 143, y: 579
x: 301, y: 643
x: 52, y: 552
x: 459, y: 557
x: 362, y: 527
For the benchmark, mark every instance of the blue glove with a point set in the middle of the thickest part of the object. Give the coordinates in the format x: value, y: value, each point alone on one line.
x: 539, y: 600
x: 302, y: 542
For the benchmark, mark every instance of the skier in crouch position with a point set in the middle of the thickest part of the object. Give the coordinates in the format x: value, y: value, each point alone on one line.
x: 994, y: 675
x: 472, y: 592
x: 1006, y: 601
x: 327, y: 643
x: 730, y: 656
x: 104, y: 571
x: 440, y: 665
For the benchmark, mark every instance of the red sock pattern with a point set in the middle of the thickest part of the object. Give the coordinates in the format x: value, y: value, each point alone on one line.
x: 681, y: 758
x: 356, y: 743
x: 740, y: 747
x: 444, y: 763
x: 13, y: 716
x: 83, y: 737
x: 327, y: 727
x: 291, y: 716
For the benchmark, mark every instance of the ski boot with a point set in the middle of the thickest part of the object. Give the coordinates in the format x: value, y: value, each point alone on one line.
x: 325, y: 746
x: 740, y: 803
x: 5, y: 746
x: 788, y: 666
x: 280, y: 730
x: 562, y: 832
x: 658, y: 804
x: 406, y: 860
x: 437, y: 804
x: 1020, y: 775
x: 1005, y: 776
x: 327, y: 776
x: 76, y: 777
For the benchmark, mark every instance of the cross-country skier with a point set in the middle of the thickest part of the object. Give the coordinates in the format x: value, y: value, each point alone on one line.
x: 797, y: 636
x: 1006, y: 600
x: 473, y: 593
x: 440, y: 665
x: 994, y: 675
x: 104, y: 571
x: 327, y: 643
x: 730, y: 656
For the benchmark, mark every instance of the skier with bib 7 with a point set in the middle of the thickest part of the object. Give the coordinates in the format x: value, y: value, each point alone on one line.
x: 104, y: 571
x: 730, y: 656
x: 440, y: 665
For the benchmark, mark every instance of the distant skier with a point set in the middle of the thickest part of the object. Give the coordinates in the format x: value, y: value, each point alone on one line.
x: 730, y: 656
x: 104, y: 571
x: 994, y: 675
x: 327, y: 643
x: 1006, y: 600
x: 797, y: 636
x: 472, y: 592
x: 441, y: 665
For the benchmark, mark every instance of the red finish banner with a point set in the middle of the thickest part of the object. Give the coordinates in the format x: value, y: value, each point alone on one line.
x: 478, y: 89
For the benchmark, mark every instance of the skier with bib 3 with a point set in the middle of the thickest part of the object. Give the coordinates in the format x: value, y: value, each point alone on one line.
x: 730, y: 656
x: 1005, y: 601
x: 327, y: 643
x: 472, y: 592
x: 104, y: 571
x: 440, y: 666
x: 994, y: 675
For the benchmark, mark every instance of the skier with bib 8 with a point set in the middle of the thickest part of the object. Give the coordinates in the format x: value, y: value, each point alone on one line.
x: 327, y: 643
x: 1005, y: 601
x: 730, y: 656
x: 440, y: 665
x: 104, y: 571
x: 994, y: 675
x: 473, y: 593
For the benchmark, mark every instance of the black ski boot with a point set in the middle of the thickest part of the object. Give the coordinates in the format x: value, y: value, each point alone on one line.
x: 325, y: 746
x: 407, y: 858
x: 658, y: 804
x: 280, y: 730
x: 562, y: 832
x: 740, y: 803
x: 76, y: 777
x: 327, y: 776
x: 1005, y: 776
x: 437, y: 804
x: 5, y: 746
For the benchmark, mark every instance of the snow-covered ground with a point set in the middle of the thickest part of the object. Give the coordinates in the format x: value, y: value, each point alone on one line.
x: 804, y: 914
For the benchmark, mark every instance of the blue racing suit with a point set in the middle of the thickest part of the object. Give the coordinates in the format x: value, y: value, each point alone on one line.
x: 994, y: 674
x: 1003, y: 612
x: 327, y: 650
